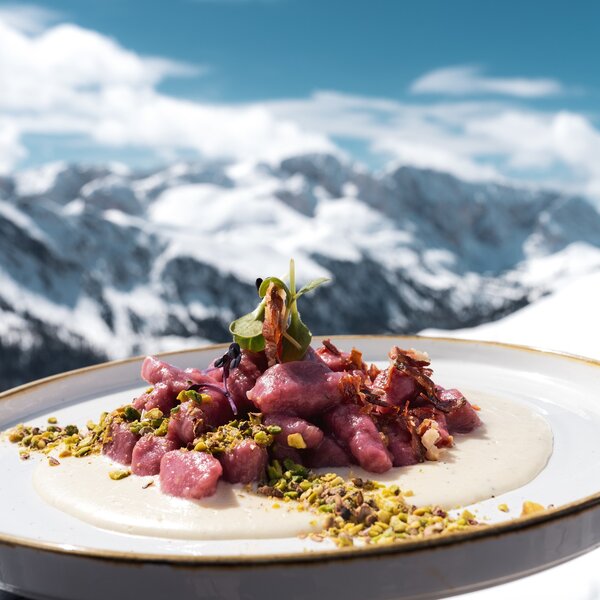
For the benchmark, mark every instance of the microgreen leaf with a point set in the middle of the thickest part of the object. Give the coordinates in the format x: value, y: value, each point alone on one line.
x: 247, y: 330
x: 264, y: 286
x: 310, y: 286
x: 301, y: 334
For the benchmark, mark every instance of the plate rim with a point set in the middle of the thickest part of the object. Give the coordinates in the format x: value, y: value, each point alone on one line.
x: 504, y: 528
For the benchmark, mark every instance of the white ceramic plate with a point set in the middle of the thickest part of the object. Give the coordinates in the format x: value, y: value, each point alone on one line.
x: 45, y: 553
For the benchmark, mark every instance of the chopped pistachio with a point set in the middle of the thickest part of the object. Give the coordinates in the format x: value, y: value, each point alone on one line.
x: 231, y: 434
x: 295, y: 440
x: 262, y: 438
x: 530, y: 508
x: 52, y: 420
x: 131, y: 413
x: 503, y: 507
x: 121, y: 474
x: 194, y: 396
x: 153, y: 414
x: 162, y: 429
x: 15, y: 436
x: 371, y: 511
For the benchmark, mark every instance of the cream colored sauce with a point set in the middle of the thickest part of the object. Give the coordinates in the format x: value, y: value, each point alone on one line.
x: 510, y: 449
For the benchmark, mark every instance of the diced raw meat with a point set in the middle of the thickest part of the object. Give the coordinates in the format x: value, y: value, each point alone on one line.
x: 120, y: 445
x: 401, y: 445
x: 397, y: 387
x: 162, y: 396
x: 186, y: 423
x: 157, y: 371
x: 301, y: 388
x: 167, y: 382
x: 242, y: 379
x: 358, y: 432
x: 189, y: 474
x: 463, y: 419
x: 193, y: 419
x: 245, y: 463
x: 148, y: 453
x: 281, y: 452
x: 312, y: 356
x: 217, y: 411
x: 337, y: 360
x: 310, y: 433
x: 327, y: 454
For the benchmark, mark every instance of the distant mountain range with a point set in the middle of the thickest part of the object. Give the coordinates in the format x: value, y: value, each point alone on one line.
x: 103, y: 262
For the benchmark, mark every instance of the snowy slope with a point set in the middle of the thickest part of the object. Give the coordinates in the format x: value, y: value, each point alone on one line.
x: 102, y: 262
x: 567, y: 320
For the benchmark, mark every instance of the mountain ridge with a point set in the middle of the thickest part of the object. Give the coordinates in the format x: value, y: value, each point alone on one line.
x: 102, y: 262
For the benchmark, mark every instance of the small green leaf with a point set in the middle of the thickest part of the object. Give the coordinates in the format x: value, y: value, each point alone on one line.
x: 255, y: 344
x: 302, y: 336
x: 310, y: 286
x: 247, y: 330
x: 262, y: 291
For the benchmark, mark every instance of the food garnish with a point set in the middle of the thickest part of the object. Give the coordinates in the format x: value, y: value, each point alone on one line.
x: 275, y: 324
x: 531, y: 508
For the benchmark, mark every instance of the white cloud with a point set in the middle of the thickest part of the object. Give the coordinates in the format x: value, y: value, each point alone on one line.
x: 464, y: 80
x: 69, y: 80
x: 28, y: 18
x: 475, y: 140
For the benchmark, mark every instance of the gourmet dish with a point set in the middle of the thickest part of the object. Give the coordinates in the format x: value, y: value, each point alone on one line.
x: 303, y: 428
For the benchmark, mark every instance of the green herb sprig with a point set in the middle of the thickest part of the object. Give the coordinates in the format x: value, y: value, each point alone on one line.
x: 247, y: 330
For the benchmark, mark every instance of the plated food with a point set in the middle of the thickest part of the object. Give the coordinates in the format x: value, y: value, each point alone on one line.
x: 526, y: 396
x: 314, y: 431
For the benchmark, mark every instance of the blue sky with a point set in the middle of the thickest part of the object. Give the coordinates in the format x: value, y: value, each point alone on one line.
x: 486, y: 90
x: 280, y: 48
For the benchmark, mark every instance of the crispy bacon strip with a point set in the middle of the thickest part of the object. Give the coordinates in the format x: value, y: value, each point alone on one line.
x: 274, y: 324
x: 412, y: 425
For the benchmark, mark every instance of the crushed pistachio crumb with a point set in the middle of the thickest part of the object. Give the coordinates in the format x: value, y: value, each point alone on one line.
x: 120, y: 474
x: 530, y: 508
x: 66, y: 441
x: 194, y: 396
x: 295, y: 440
x: 503, y: 507
x: 358, y: 509
x: 231, y: 434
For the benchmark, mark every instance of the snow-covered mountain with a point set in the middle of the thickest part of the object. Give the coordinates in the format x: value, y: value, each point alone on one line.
x: 102, y: 262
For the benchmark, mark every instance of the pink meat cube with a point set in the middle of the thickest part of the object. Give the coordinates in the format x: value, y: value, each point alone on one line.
x: 189, y: 474
x: 245, y: 463
x: 148, y: 453
x: 120, y: 444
